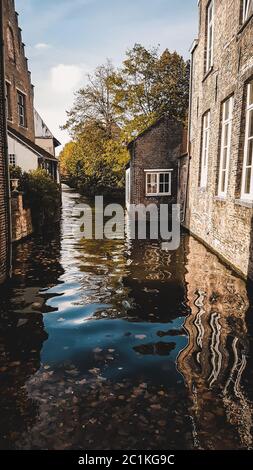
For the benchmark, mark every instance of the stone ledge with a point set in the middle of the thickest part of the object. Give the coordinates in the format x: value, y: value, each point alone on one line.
x: 247, y: 204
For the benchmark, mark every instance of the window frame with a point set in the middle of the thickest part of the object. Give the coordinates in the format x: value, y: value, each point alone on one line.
x: 225, y: 123
x: 158, y: 173
x: 249, y: 111
x: 247, y: 10
x: 21, y: 116
x: 205, y: 149
x: 209, y: 42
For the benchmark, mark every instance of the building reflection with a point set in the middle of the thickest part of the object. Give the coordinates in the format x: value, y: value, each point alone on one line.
x: 22, y: 333
x: 217, y: 355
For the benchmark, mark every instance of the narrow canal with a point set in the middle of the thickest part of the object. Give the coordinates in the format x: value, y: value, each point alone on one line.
x: 121, y: 345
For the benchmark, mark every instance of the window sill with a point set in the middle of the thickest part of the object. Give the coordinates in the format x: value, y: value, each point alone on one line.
x: 158, y: 195
x: 243, y: 203
x: 209, y: 72
x: 244, y: 25
x: 220, y: 198
x: 202, y: 190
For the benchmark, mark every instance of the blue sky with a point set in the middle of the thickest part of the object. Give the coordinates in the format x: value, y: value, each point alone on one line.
x: 66, y: 39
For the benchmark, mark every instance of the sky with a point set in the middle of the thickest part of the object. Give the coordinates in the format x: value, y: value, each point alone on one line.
x: 67, y: 39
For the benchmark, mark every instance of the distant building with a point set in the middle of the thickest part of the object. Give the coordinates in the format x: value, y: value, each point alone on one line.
x: 152, y: 173
x: 4, y: 186
x: 45, y: 139
x: 220, y: 190
x: 24, y: 150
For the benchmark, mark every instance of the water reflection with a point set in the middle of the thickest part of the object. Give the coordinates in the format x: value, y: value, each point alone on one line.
x: 121, y: 345
x: 214, y: 361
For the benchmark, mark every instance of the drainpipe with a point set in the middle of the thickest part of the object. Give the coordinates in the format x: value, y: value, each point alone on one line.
x: 6, y: 155
x: 195, y: 43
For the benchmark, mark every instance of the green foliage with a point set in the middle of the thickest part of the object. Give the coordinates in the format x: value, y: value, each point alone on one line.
x: 41, y: 194
x: 114, y: 107
x: 94, y: 163
x: 15, y: 172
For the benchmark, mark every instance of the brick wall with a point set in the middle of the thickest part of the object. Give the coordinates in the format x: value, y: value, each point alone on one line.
x: 3, y: 180
x: 157, y: 148
x: 224, y: 224
x: 16, y: 71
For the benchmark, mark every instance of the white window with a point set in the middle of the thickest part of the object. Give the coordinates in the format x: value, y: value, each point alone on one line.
x: 247, y: 9
x: 247, y: 174
x: 128, y: 186
x: 205, y: 149
x: 21, y: 109
x: 158, y: 183
x: 12, y: 159
x: 226, y: 134
x: 210, y: 36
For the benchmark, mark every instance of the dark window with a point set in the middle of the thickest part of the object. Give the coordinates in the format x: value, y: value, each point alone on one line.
x: 21, y: 109
x: 8, y: 101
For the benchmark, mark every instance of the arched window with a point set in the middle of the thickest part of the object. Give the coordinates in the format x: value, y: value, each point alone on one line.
x: 11, y: 44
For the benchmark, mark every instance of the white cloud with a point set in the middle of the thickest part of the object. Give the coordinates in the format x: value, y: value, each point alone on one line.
x: 66, y: 78
x: 42, y: 46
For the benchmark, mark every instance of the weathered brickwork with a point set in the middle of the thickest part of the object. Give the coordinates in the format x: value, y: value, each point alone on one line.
x: 224, y: 224
x: 4, y: 238
x: 17, y: 74
x: 157, y: 148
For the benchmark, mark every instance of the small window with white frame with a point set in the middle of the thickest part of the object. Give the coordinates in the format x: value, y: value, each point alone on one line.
x: 247, y: 10
x: 205, y: 149
x: 247, y: 174
x: 226, y: 135
x: 210, y: 35
x: 12, y: 159
x: 158, y: 182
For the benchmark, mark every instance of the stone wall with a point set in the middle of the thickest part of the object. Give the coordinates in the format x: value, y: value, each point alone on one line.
x: 4, y: 238
x: 224, y: 224
x: 21, y: 218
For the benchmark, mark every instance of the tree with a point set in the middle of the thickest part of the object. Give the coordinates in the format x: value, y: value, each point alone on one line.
x: 114, y: 107
x: 93, y: 163
x: 94, y: 102
x: 149, y: 86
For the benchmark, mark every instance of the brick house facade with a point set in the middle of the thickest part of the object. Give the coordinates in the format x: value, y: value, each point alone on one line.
x: 220, y: 190
x: 24, y: 150
x: 4, y: 197
x: 152, y: 174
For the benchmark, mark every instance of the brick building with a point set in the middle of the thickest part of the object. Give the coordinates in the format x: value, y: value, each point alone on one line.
x: 152, y: 174
x: 220, y: 190
x: 4, y: 196
x: 24, y: 150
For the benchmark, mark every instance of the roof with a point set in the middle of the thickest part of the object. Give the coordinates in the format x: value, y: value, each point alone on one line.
x: 29, y: 144
x: 152, y: 126
x: 42, y: 131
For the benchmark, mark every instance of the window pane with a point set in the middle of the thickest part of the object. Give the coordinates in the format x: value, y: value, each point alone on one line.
x: 250, y: 153
x: 223, y: 181
x: 250, y: 123
x: 251, y: 92
x: 162, y: 177
x: 225, y: 158
x: 151, y: 183
x: 247, y: 180
x: 226, y: 110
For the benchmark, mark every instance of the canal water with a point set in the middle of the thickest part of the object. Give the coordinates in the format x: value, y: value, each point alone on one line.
x: 122, y: 345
